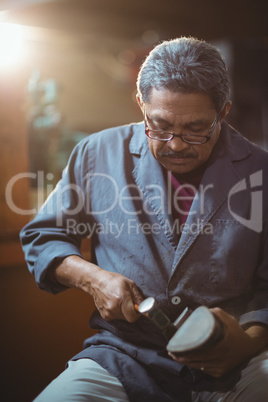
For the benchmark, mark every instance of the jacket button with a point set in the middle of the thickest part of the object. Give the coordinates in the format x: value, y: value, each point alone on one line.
x: 175, y: 300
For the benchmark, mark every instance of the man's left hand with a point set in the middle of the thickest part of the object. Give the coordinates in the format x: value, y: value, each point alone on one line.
x: 236, y: 347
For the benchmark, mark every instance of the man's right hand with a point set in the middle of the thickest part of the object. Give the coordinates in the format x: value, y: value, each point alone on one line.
x: 114, y: 294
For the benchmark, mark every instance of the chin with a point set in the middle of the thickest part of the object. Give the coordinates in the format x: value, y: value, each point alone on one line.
x: 181, y: 169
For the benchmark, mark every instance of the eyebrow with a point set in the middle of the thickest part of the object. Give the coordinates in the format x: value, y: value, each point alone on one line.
x: 198, y: 122
x: 158, y: 119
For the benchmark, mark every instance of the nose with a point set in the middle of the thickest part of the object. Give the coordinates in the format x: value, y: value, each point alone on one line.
x: 176, y: 144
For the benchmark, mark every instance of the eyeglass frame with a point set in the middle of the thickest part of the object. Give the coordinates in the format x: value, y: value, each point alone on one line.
x: 206, y: 137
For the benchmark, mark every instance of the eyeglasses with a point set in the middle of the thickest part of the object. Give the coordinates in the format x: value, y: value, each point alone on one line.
x: 189, y: 138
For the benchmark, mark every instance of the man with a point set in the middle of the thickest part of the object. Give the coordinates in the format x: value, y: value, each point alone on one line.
x: 172, y: 216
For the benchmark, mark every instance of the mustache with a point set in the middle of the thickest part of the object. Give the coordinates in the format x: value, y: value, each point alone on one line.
x: 181, y: 155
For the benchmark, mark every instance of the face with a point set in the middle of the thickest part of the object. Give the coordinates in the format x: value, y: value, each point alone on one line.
x: 181, y: 114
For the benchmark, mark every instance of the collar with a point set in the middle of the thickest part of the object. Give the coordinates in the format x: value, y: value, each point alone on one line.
x: 230, y: 143
x: 138, y: 143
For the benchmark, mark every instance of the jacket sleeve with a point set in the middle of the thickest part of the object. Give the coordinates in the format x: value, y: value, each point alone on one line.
x: 52, y: 236
x: 256, y: 311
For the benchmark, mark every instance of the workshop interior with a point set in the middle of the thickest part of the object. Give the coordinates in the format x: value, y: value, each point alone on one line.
x: 68, y: 68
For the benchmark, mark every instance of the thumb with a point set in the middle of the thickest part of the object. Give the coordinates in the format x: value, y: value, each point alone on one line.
x: 222, y: 315
x: 136, y: 295
x: 128, y: 305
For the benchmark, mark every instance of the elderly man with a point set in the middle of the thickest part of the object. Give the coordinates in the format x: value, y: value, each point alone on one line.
x: 176, y: 208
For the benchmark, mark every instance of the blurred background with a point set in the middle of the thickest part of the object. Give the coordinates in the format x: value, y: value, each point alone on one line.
x: 68, y: 68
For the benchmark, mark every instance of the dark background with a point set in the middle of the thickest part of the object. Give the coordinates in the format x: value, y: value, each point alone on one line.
x: 92, y: 50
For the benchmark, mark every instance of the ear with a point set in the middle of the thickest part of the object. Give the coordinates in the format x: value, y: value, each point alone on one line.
x: 140, y: 102
x: 225, y: 111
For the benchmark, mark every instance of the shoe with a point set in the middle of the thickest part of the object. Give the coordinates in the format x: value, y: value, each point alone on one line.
x: 201, y: 329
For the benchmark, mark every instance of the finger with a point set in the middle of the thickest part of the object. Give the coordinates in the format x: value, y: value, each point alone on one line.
x: 133, y: 303
x: 136, y: 296
x: 197, y: 365
x: 128, y: 310
x: 109, y: 312
x: 222, y: 315
x: 196, y: 360
x: 204, y: 366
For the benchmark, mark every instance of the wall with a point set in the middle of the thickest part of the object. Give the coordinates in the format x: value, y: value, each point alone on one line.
x: 39, y: 333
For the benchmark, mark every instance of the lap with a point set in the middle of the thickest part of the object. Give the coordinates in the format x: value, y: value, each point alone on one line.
x: 252, y: 385
x: 84, y: 380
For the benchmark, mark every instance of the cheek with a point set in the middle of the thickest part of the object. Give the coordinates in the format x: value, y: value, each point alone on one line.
x: 209, y: 146
x: 203, y: 154
x: 155, y: 147
x: 205, y: 151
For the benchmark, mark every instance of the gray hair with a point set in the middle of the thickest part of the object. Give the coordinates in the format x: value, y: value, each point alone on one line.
x: 186, y: 65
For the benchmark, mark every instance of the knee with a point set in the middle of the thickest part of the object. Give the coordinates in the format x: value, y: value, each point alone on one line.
x: 254, y: 382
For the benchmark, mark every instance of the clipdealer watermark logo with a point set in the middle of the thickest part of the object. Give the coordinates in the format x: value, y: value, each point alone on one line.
x: 123, y: 198
x: 131, y: 227
x: 255, y: 220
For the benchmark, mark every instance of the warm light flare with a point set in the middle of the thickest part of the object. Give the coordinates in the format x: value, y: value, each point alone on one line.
x: 11, y: 45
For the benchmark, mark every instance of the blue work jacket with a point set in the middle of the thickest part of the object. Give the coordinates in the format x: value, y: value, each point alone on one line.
x: 116, y: 192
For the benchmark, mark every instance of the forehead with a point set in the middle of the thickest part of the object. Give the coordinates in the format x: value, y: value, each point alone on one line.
x: 165, y: 103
